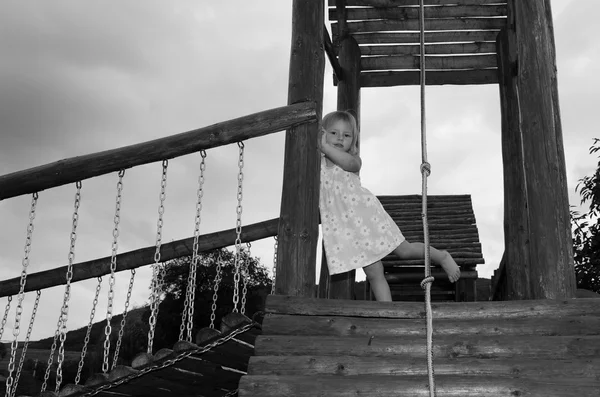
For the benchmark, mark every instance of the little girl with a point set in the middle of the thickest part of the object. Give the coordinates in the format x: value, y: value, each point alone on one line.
x: 357, y: 231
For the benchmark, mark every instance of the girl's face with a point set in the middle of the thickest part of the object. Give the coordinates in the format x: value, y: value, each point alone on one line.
x: 340, y: 135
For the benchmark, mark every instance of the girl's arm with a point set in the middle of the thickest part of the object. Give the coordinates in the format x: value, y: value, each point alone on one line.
x: 346, y: 161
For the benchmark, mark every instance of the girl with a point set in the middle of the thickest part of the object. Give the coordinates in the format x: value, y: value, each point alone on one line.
x: 357, y: 232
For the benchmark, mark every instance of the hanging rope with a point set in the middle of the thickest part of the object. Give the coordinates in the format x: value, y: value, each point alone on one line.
x: 86, y: 340
x: 157, y: 269
x: 19, y: 309
x: 238, y: 231
x: 187, y: 315
x: 425, y: 172
x: 24, y: 351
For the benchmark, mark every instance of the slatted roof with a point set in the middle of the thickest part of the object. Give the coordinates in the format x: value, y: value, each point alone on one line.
x: 460, y: 39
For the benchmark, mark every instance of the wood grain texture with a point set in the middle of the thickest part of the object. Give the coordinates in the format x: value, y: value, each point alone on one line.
x: 454, y: 77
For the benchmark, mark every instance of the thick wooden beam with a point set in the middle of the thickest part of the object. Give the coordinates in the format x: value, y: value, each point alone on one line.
x: 551, y: 271
x: 332, y: 56
x: 138, y: 258
x: 298, y: 228
x: 432, y: 62
x: 83, y: 167
x: 399, y: 3
x: 430, y: 37
x: 411, y: 12
x: 430, y: 49
x: 430, y: 24
x: 457, y: 77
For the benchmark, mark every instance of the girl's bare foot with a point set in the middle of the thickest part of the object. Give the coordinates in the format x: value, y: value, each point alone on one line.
x: 450, y: 267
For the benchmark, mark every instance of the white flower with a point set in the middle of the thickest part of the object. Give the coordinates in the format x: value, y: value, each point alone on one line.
x: 353, y: 199
x: 365, y: 231
x: 358, y: 221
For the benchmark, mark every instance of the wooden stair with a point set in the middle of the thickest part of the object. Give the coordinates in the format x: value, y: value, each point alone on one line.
x: 318, y: 347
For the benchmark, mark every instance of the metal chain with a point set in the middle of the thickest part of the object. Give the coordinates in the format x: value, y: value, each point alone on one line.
x: 246, y: 275
x: 123, y: 320
x: 5, y: 317
x: 65, y: 307
x: 86, y: 340
x: 190, y: 296
x: 51, y: 357
x: 113, y: 268
x: 24, y: 351
x: 274, y: 265
x: 216, y: 290
x: 238, y: 230
x: 19, y: 309
x: 167, y: 363
x: 157, y: 271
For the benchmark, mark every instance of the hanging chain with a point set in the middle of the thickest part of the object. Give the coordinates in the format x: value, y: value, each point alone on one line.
x: 246, y: 274
x: 158, y: 271
x: 216, y: 290
x: 65, y: 307
x: 51, y: 357
x: 274, y: 265
x: 19, y: 309
x: 123, y: 320
x: 190, y: 296
x: 113, y: 268
x: 238, y: 230
x: 24, y: 351
x: 86, y: 340
x: 5, y: 317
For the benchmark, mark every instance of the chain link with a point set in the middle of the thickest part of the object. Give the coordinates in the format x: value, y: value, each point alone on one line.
x: 238, y: 230
x: 275, y: 246
x: 19, y: 309
x: 158, y: 271
x: 24, y: 351
x: 113, y: 268
x: 123, y: 320
x: 246, y: 275
x: 51, y: 357
x: 5, y: 317
x: 86, y: 340
x: 216, y: 290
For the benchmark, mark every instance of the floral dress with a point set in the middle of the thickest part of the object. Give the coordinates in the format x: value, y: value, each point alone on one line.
x: 357, y: 231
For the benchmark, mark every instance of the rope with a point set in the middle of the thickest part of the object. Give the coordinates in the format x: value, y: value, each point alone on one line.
x: 425, y: 172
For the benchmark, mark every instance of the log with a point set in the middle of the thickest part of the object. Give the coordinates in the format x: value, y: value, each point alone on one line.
x: 430, y: 49
x: 401, y: 13
x: 397, y: 3
x: 433, y: 62
x: 430, y: 24
x: 283, y: 324
x: 281, y: 304
x: 299, y: 220
x: 430, y: 37
x: 331, y: 55
x: 456, y: 77
x: 83, y: 167
x: 134, y: 259
x: 411, y: 386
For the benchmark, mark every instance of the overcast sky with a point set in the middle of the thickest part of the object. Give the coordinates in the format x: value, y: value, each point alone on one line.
x: 80, y: 77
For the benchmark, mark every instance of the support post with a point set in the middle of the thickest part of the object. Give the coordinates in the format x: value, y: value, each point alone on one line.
x: 298, y: 228
x: 341, y: 286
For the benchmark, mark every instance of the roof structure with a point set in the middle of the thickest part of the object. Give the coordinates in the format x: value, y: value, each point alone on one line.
x: 460, y: 39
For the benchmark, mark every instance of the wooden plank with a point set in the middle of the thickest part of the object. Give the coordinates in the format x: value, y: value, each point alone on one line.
x: 332, y: 56
x: 432, y: 62
x: 417, y: 277
x: 299, y: 220
x: 430, y: 49
x: 430, y: 37
x: 455, y: 77
x: 469, y: 310
x: 453, y: 346
x: 432, y: 197
x: 430, y: 24
x: 83, y: 167
x: 401, y: 13
x: 411, y: 386
x: 398, y: 3
x: 283, y: 324
x: 143, y: 256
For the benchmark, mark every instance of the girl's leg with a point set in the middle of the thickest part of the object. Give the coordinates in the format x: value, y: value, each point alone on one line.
x: 380, y: 286
x: 408, y: 250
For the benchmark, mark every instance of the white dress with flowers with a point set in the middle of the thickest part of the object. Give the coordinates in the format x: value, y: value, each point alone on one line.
x: 357, y: 231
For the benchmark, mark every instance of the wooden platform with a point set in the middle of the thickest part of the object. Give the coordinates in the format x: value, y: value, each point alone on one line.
x: 334, y: 348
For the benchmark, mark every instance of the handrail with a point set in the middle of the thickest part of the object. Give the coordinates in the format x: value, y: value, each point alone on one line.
x: 80, y: 168
x: 140, y: 257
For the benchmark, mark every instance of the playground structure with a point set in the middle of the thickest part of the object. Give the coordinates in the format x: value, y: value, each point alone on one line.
x: 538, y: 341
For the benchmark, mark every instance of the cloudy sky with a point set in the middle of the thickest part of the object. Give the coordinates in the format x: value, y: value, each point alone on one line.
x: 80, y: 77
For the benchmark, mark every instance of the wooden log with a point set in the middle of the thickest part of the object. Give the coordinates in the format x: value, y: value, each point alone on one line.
x: 430, y: 24
x: 331, y: 55
x: 283, y: 324
x: 469, y: 310
x: 551, y: 270
x: 433, y: 62
x: 398, y: 3
x: 411, y: 386
x: 430, y: 37
x: 430, y: 49
x: 402, y: 13
x: 299, y: 219
x: 455, y: 77
x: 134, y: 259
x: 455, y: 347
x: 83, y: 167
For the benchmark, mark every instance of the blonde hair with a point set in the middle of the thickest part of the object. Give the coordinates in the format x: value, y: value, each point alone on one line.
x: 347, y: 117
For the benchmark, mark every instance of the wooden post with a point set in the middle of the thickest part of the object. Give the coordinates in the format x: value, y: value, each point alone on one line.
x: 549, y: 245
x: 298, y: 228
x: 341, y: 286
